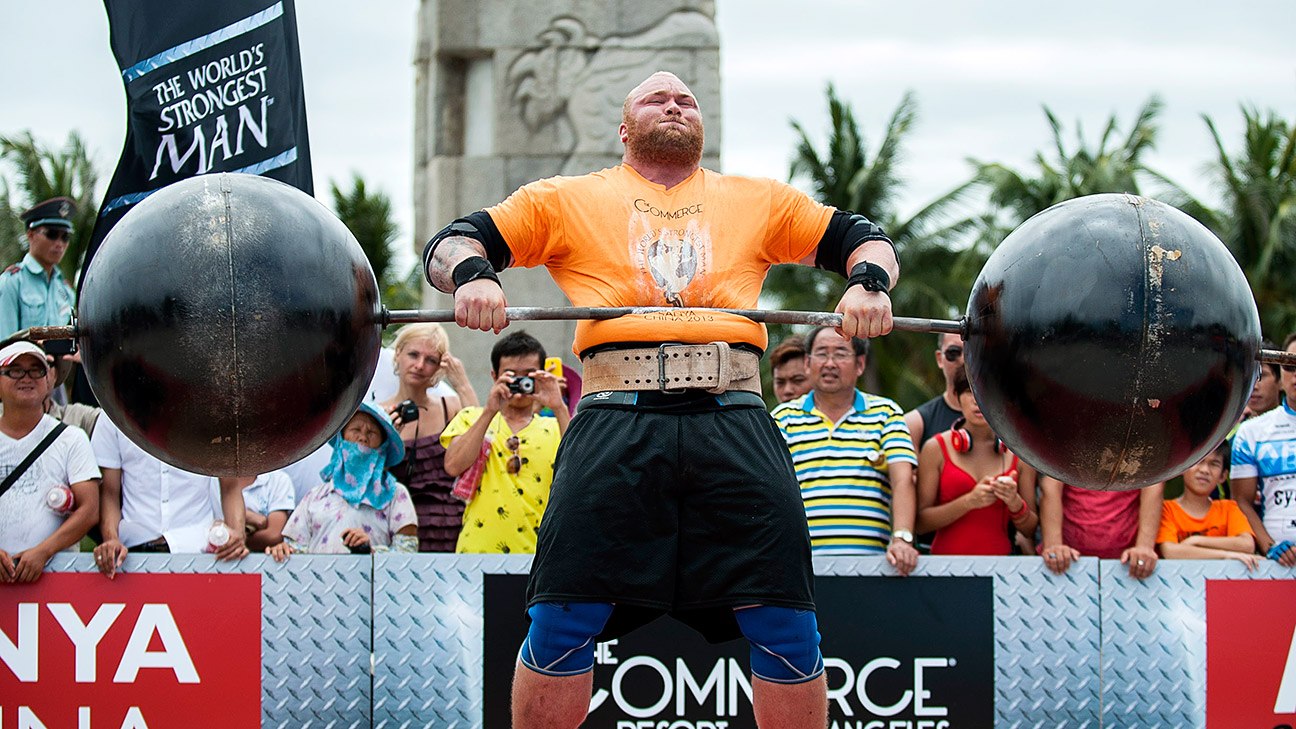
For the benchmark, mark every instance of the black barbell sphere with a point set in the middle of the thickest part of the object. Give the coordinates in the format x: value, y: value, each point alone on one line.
x: 229, y: 324
x: 1112, y: 341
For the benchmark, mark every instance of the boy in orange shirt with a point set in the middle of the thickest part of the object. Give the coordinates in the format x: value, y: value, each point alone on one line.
x: 1194, y: 526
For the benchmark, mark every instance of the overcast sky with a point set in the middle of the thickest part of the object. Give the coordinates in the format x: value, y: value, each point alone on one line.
x: 981, y: 72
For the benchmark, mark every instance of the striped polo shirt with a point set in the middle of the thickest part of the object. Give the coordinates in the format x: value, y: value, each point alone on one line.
x: 843, y: 469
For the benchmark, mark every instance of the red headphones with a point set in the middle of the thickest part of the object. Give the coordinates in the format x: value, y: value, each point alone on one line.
x: 961, y: 440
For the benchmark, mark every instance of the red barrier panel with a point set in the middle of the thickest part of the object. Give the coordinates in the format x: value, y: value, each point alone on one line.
x: 153, y: 650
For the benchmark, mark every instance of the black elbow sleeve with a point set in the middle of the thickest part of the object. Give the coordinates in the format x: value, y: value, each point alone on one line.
x: 846, y: 232
x: 480, y: 228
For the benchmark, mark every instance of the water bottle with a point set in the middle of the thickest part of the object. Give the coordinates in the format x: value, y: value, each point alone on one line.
x: 59, y: 500
x: 217, y: 536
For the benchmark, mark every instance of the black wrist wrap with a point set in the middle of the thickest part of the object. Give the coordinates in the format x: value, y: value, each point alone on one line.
x: 869, y: 275
x: 471, y: 269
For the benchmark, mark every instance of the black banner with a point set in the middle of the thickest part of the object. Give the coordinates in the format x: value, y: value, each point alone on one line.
x: 210, y: 87
x: 914, y: 653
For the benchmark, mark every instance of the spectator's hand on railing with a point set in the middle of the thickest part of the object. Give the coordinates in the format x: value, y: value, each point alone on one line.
x: 234, y: 549
x: 109, y: 556
x: 6, y: 567
x: 29, y: 563
x: 902, y: 556
x: 1284, y: 553
x: 1141, y: 560
x: 1058, y: 557
x: 280, y: 551
x: 1250, y: 560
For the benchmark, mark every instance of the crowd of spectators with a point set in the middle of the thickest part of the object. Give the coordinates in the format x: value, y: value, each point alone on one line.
x: 870, y: 478
x: 422, y: 465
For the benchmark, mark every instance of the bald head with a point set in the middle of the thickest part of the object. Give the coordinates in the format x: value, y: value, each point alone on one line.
x: 657, y: 79
x: 661, y: 127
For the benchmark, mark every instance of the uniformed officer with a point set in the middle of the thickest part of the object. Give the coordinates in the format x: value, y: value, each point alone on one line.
x: 33, y: 292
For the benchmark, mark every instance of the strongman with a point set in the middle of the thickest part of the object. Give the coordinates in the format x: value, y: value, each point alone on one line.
x: 673, y: 491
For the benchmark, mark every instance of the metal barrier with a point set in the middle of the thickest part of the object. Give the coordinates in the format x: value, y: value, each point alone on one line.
x: 429, y: 641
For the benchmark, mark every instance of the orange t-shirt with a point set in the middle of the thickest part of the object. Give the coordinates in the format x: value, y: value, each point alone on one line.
x: 612, y: 238
x: 1224, y: 519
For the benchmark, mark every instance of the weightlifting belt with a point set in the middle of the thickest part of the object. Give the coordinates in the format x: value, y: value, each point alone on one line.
x: 714, y: 367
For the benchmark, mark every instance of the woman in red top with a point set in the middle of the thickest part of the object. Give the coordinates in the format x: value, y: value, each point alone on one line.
x: 971, y: 487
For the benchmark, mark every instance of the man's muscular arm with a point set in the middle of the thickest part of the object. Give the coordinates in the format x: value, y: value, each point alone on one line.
x: 868, y: 313
x: 450, y: 252
x: 852, y: 241
x: 480, y: 302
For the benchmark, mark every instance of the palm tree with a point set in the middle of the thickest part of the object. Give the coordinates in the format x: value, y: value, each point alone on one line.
x: 12, y: 237
x: 1108, y: 167
x: 369, y: 217
x: 44, y: 173
x: 1258, y: 220
x: 936, y: 274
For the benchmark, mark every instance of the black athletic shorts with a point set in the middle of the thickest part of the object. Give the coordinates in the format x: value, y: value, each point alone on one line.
x: 683, y: 504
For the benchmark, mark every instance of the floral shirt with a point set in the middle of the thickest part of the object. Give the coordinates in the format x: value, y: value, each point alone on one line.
x: 317, y: 524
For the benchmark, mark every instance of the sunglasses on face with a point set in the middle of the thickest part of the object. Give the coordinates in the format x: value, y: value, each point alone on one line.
x: 1289, y: 368
x: 55, y: 234
x: 952, y: 352
x: 17, y: 373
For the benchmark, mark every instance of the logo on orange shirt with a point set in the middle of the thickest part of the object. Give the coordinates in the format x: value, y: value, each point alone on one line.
x: 672, y: 257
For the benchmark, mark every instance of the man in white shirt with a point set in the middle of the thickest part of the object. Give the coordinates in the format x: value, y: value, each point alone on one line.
x: 1264, y: 465
x: 149, y: 506
x: 30, y: 530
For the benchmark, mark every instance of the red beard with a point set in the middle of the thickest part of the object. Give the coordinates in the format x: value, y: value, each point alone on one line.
x: 665, y: 144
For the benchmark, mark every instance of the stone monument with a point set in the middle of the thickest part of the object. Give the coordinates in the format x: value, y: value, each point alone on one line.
x: 509, y: 92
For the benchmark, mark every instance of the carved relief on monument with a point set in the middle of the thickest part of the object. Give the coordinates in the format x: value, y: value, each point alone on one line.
x: 567, y: 90
x: 554, y: 75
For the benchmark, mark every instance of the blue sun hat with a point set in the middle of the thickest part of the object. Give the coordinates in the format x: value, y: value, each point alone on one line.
x: 392, y: 443
x: 359, y: 474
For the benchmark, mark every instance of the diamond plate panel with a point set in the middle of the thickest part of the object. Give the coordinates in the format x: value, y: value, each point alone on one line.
x: 426, y: 620
x: 428, y: 637
x: 1047, y: 633
x: 315, y: 632
x: 1154, y: 641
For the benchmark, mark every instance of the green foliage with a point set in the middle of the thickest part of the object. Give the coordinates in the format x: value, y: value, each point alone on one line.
x: 1088, y: 170
x: 936, y: 271
x: 1258, y: 184
x: 44, y: 173
x: 1258, y: 219
x: 369, y: 218
x: 12, y: 235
